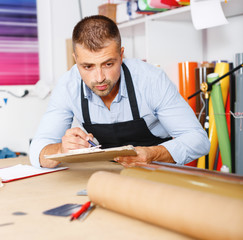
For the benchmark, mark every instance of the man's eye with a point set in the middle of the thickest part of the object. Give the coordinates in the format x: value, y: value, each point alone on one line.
x: 109, y: 64
x: 87, y: 67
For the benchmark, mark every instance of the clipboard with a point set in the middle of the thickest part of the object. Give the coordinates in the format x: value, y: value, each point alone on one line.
x: 93, y: 154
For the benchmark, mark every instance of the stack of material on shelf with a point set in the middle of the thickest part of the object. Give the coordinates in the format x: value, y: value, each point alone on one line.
x: 122, y: 11
x: 108, y: 10
x: 126, y: 11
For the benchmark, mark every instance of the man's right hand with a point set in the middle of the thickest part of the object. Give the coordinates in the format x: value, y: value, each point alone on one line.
x: 74, y: 138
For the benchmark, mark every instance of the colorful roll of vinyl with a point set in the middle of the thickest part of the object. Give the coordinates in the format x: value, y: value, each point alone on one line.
x: 221, y: 68
x: 201, y: 215
x: 232, y: 120
x: 200, y: 77
x: 157, y: 4
x: 218, y: 161
x: 207, y: 64
x: 201, y: 162
x: 143, y: 6
x: 220, y: 120
x: 184, y: 2
x: 239, y: 119
x: 173, y: 3
x: 187, y: 83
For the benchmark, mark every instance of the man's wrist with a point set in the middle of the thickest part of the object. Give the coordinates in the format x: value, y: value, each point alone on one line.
x: 161, y: 154
x: 48, y: 150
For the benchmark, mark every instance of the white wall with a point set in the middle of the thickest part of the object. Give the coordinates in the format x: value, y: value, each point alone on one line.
x: 19, y: 119
x: 176, y: 42
x: 225, y: 41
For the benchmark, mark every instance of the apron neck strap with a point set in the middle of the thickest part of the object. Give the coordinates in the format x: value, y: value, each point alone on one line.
x: 131, y: 92
x: 84, y: 105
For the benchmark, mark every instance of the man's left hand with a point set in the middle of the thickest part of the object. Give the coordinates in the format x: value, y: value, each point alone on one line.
x: 146, y: 155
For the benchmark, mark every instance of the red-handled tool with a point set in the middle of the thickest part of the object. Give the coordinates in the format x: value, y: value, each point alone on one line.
x: 80, y: 211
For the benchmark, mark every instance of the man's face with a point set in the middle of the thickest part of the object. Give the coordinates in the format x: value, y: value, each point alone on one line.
x: 100, y: 70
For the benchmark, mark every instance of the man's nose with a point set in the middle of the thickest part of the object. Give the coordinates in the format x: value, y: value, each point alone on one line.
x: 100, y: 75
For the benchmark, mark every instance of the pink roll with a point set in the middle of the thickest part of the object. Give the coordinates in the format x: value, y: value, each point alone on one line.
x: 157, y: 4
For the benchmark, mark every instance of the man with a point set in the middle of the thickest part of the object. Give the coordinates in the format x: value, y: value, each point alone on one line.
x: 119, y: 102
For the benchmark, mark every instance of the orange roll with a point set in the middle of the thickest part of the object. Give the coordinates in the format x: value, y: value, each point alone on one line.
x: 187, y: 84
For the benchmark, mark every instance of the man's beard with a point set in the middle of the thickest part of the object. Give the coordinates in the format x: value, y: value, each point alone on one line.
x: 103, y: 93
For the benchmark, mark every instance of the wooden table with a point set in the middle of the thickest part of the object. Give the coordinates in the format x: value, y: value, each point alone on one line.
x: 33, y: 196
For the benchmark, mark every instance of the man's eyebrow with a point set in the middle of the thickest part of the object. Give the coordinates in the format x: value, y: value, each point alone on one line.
x: 108, y: 60
x: 85, y: 63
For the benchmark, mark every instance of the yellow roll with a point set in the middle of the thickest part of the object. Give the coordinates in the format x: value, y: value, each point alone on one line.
x: 220, y: 68
x: 190, y: 212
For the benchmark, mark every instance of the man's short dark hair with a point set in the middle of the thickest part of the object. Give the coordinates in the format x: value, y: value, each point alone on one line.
x: 94, y: 31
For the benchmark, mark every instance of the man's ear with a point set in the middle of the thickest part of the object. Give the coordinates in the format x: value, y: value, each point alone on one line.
x: 74, y: 56
x: 122, y: 53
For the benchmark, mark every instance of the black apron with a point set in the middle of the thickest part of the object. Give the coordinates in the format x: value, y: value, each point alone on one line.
x: 134, y: 132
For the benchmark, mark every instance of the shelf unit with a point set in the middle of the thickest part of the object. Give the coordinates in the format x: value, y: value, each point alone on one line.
x: 169, y: 37
x: 231, y: 9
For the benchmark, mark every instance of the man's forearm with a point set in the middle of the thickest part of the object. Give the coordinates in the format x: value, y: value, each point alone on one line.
x: 48, y: 150
x: 160, y: 154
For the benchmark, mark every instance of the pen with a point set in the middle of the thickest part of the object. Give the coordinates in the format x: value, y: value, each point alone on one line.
x: 92, y: 143
x: 80, y: 211
x: 86, y: 214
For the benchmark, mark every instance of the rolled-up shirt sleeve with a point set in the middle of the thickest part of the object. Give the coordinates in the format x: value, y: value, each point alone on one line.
x: 54, y: 123
x: 190, y: 140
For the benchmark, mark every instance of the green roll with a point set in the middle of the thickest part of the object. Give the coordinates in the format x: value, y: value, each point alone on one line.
x: 220, y: 120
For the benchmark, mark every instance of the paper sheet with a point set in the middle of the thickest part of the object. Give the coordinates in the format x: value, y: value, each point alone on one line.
x: 207, y: 13
x: 23, y: 171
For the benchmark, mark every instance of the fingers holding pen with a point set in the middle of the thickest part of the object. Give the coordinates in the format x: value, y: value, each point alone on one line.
x: 75, y: 138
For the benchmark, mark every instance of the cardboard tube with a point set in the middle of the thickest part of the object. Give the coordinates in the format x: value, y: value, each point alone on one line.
x: 190, y: 212
x: 220, y: 119
x: 188, y: 180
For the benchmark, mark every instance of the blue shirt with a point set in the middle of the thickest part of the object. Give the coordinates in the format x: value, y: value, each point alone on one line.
x: 165, y: 112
